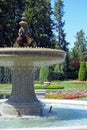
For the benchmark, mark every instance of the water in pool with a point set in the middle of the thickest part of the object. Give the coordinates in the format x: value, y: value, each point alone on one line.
x: 59, y: 116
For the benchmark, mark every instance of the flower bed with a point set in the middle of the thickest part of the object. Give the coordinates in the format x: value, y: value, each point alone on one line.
x: 67, y: 94
x: 80, y: 82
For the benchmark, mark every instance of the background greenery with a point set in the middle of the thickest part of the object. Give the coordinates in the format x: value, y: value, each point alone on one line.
x: 42, y: 21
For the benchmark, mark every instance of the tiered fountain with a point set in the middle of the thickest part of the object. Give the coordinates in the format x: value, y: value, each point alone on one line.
x: 23, y: 59
x: 23, y: 102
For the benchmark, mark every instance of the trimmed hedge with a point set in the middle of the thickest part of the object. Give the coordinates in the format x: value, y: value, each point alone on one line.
x: 2, y: 95
x: 54, y: 96
x: 44, y: 72
x: 39, y: 86
x: 82, y: 72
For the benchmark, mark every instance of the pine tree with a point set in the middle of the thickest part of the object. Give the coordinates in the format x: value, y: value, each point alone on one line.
x: 80, y: 45
x: 61, y: 43
x: 39, y: 13
x: 59, y: 13
x: 10, y: 13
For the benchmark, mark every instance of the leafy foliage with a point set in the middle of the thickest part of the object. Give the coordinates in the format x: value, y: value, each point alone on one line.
x: 44, y: 72
x: 2, y: 95
x: 82, y: 71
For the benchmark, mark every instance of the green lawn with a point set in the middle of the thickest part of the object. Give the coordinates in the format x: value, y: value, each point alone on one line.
x: 5, y: 86
x: 68, y: 86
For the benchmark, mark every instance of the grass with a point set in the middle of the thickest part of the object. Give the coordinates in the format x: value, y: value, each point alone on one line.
x: 68, y: 86
x: 5, y: 86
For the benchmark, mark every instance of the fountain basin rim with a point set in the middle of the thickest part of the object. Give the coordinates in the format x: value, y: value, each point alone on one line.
x: 65, y: 102
x: 13, y: 51
x: 30, y: 56
x: 59, y: 101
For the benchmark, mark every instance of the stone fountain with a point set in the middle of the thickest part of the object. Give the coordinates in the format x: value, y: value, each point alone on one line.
x: 23, y: 60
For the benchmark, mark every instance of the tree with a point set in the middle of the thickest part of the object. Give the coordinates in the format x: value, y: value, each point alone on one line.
x: 85, y: 56
x: 79, y: 46
x: 74, y: 60
x: 74, y: 54
x: 78, y: 52
x: 10, y: 13
x: 40, y: 22
x: 61, y: 43
x: 58, y: 13
x: 86, y: 70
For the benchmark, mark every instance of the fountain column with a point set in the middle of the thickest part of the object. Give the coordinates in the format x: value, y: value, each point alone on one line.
x: 23, y: 99
x: 23, y: 89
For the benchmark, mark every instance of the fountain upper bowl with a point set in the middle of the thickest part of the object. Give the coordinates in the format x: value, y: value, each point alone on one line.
x: 30, y: 56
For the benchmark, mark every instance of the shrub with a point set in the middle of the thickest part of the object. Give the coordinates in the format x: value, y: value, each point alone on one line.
x: 43, y: 76
x: 2, y: 95
x: 40, y: 86
x: 82, y: 71
x: 55, y: 96
x: 57, y: 76
x: 72, y: 74
x: 54, y: 87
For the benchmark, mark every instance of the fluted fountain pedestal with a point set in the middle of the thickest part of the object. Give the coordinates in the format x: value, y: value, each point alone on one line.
x: 23, y: 100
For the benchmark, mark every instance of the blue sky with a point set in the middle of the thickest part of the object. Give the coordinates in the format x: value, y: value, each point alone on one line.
x: 75, y: 18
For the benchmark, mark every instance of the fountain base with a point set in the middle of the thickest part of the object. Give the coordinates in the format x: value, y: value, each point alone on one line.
x: 34, y: 109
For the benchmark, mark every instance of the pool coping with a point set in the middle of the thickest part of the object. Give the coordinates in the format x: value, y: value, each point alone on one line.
x: 54, y: 128
x: 60, y: 101
x: 66, y: 102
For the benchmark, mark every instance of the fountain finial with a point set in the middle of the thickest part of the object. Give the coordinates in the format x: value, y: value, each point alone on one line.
x: 23, y: 39
x: 23, y: 22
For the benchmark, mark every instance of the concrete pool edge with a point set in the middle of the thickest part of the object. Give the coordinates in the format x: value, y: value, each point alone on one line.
x: 53, y: 128
x: 60, y: 101
x: 66, y: 102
